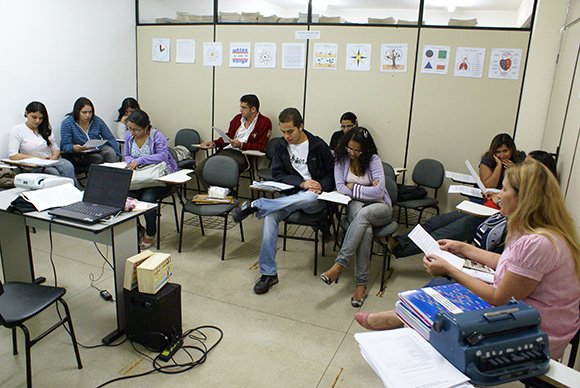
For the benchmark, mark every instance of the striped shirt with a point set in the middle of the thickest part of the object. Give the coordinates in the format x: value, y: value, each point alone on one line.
x: 557, y: 295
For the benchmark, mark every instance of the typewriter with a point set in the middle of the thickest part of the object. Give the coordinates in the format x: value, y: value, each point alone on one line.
x: 495, y: 345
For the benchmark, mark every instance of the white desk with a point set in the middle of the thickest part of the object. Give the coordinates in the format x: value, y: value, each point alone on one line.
x: 120, y: 234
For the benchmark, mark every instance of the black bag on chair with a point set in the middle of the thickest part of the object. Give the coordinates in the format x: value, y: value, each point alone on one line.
x: 410, y: 192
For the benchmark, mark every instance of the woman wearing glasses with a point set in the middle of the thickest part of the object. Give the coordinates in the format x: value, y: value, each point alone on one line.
x: 358, y: 172
x: 348, y: 121
x: 145, y: 146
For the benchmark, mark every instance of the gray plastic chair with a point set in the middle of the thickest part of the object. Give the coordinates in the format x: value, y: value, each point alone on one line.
x: 219, y: 171
x: 186, y: 137
x: 427, y: 173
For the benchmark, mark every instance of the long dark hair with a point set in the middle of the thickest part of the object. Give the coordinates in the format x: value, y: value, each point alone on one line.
x: 498, y: 141
x: 546, y: 159
x: 362, y: 136
x: 44, y: 129
x: 80, y: 103
x: 140, y: 118
x: 127, y: 103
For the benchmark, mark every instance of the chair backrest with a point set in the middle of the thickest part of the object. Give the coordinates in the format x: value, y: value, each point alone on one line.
x: 221, y: 171
x: 270, y: 147
x: 429, y: 173
x: 173, y: 153
x: 392, y: 189
x: 389, y: 171
x: 186, y: 137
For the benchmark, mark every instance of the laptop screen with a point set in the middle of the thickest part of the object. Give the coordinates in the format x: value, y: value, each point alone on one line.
x: 107, y: 186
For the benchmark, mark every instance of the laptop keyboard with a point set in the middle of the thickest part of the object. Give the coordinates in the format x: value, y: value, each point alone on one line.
x: 89, y: 209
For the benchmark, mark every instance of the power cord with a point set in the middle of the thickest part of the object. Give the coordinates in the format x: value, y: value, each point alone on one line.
x: 177, y: 367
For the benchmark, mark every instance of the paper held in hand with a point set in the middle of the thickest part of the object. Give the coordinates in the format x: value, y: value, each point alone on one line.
x: 271, y: 186
x: 222, y: 134
x: 94, y: 143
x: 335, y: 196
x: 476, y: 209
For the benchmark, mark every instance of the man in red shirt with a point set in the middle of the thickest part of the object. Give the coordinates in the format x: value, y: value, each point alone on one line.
x: 249, y: 130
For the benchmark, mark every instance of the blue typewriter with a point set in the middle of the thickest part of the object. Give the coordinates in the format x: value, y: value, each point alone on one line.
x: 495, y: 345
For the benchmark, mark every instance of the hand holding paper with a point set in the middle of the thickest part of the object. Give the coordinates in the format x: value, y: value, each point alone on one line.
x: 222, y: 134
x: 430, y: 247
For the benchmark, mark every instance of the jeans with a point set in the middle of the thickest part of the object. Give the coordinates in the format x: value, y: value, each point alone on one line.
x: 63, y: 168
x: 359, y: 235
x: 152, y: 195
x: 454, y: 225
x: 275, y: 210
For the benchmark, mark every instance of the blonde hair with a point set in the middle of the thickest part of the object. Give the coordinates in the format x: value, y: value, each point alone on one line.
x: 540, y: 209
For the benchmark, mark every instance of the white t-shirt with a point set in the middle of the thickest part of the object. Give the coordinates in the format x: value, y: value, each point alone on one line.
x: 243, y: 133
x: 23, y: 140
x: 364, y: 180
x: 299, y: 158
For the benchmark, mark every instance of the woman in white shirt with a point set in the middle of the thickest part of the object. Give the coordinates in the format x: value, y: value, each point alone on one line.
x: 34, y: 139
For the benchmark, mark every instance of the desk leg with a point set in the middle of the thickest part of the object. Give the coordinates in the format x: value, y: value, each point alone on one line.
x: 124, y: 243
x: 15, y: 250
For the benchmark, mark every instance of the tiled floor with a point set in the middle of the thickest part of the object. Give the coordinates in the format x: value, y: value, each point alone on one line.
x: 300, y: 334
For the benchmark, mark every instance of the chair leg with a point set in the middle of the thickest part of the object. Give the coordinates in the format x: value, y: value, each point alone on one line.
x: 14, y: 342
x: 174, y: 214
x: 323, y: 244
x: 284, y: 238
x: 316, y: 251
x: 158, y: 225
x: 181, y: 230
x: 224, y: 237
x: 27, y: 346
x: 241, y: 231
x: 420, y: 216
x: 201, y: 226
x: 72, y: 333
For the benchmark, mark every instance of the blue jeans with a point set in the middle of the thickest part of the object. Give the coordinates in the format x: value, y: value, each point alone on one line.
x: 454, y: 225
x: 359, y: 235
x: 275, y: 210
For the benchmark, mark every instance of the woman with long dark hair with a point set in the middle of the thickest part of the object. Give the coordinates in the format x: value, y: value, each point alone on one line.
x: 34, y: 139
x: 358, y: 172
x: 502, y: 154
x: 128, y: 105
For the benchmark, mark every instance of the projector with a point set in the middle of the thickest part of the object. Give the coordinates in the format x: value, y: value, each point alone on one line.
x: 34, y: 181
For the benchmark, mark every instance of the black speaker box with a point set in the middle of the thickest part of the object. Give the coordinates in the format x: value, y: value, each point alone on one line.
x: 154, y: 320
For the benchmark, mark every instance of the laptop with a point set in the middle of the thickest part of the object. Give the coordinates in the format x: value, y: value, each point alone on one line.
x: 105, y: 195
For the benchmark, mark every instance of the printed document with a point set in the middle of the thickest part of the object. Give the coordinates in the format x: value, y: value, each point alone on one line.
x: 335, y: 196
x: 403, y: 359
x: 430, y: 247
x: 222, y: 134
x: 31, y: 162
x: 458, y: 177
x: 465, y: 190
x: 56, y: 196
x: 271, y: 185
x: 94, y: 143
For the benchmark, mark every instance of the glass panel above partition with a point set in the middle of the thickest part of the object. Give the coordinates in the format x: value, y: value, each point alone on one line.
x: 175, y: 11
x: 479, y: 13
x: 365, y: 11
x: 263, y: 11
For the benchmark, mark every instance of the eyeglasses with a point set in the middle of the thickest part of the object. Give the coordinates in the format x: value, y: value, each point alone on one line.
x: 351, y: 151
x: 134, y: 130
x: 348, y: 126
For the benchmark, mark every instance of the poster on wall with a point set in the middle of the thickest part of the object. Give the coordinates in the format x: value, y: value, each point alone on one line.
x: 505, y: 63
x: 185, y: 51
x: 435, y: 59
x: 293, y: 55
x: 394, y: 57
x: 160, y: 50
x: 265, y: 55
x: 240, y: 54
x: 212, y: 53
x: 469, y: 62
x: 325, y: 56
x: 358, y: 56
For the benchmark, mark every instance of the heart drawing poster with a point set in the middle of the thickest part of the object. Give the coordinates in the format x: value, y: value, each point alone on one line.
x: 505, y: 63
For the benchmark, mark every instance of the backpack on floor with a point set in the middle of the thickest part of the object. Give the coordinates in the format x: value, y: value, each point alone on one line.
x: 410, y: 192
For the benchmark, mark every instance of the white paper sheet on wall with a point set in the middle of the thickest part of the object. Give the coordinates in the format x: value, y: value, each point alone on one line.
x: 161, y: 50
x: 358, y: 56
x: 469, y: 62
x: 240, y: 54
x: 212, y: 53
x: 265, y: 55
x: 293, y: 55
x: 325, y: 56
x: 185, y: 51
x: 505, y: 63
x: 393, y: 57
x: 435, y: 59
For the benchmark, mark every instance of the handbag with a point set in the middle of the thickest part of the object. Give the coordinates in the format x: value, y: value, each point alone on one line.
x: 148, y: 176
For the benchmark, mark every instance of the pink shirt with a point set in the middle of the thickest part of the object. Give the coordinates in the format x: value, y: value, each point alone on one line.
x: 557, y: 296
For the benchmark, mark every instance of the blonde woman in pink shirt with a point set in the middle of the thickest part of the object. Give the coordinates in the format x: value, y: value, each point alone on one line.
x: 540, y: 264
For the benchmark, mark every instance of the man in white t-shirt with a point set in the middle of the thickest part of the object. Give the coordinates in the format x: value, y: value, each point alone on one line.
x: 249, y: 130
x: 304, y: 161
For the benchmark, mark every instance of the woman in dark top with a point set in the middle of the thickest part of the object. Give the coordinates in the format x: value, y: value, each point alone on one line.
x: 348, y: 121
x: 502, y: 154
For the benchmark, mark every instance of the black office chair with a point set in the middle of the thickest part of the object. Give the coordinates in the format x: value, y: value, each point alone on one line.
x: 21, y: 301
x: 427, y: 173
x: 219, y: 171
x: 186, y: 137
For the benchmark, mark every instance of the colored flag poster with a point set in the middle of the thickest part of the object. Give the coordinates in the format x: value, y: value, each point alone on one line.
x: 265, y: 55
x: 435, y: 59
x: 240, y: 54
x: 325, y: 56
x: 469, y: 62
x: 505, y: 63
x: 212, y: 53
x: 394, y: 57
x: 358, y: 56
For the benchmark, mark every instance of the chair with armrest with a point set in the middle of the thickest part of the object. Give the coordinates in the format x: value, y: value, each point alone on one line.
x: 427, y: 173
x: 21, y: 301
x: 187, y: 137
x: 219, y: 171
x: 168, y: 199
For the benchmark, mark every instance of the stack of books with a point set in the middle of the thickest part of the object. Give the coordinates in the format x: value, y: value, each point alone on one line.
x: 417, y: 308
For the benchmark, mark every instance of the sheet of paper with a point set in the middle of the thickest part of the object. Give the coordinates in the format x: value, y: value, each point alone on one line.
x: 358, y: 56
x: 402, y: 358
x: 475, y: 176
x: 469, y: 62
x: 293, y: 55
x: 394, y: 57
x: 265, y: 55
x: 94, y: 143
x: 222, y: 134
x: 465, y: 190
x: 458, y: 177
x: 115, y: 164
x: 278, y: 186
x: 335, y: 196
x: 55, y: 196
x: 430, y: 247
x: 7, y: 196
x: 185, y: 51
x: 476, y: 209
x: 31, y: 162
